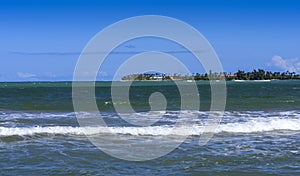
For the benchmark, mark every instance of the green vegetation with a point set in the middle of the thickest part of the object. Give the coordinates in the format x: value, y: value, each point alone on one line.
x: 259, y: 74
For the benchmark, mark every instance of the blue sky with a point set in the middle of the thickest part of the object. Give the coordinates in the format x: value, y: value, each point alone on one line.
x: 42, y: 40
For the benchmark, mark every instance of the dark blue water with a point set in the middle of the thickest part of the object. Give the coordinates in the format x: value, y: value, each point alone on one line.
x: 258, y: 135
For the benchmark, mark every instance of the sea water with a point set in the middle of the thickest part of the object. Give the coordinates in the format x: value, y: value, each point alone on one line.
x: 258, y: 135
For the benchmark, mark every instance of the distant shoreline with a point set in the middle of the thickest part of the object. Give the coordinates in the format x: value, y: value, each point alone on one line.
x: 259, y: 75
x: 255, y: 75
x: 70, y: 82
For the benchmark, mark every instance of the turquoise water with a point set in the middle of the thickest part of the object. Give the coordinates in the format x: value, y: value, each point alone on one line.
x: 258, y: 135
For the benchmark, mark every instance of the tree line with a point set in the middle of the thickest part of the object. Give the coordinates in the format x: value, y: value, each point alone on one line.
x: 259, y: 74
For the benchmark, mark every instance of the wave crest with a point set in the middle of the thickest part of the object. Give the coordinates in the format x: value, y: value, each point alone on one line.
x: 253, y: 126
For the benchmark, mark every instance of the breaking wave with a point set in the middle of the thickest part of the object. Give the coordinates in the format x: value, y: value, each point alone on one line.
x: 252, y: 126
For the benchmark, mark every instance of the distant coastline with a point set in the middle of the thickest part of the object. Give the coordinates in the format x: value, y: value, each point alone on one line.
x: 255, y: 75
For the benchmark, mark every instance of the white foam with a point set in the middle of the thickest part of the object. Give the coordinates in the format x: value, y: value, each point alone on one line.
x: 230, y: 115
x: 34, y: 115
x: 252, y: 126
x: 261, y: 125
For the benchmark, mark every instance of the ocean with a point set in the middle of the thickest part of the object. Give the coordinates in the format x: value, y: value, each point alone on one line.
x: 259, y: 133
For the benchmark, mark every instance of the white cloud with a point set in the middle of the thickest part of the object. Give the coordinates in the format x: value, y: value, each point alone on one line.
x: 292, y: 65
x: 25, y: 75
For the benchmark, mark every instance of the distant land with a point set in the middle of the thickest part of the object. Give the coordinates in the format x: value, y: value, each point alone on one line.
x: 259, y: 74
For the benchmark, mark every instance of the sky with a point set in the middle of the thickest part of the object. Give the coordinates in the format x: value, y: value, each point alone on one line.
x: 42, y: 40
